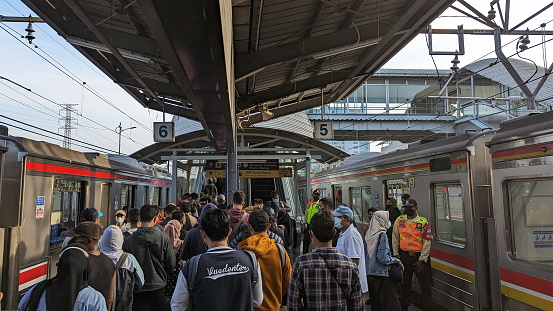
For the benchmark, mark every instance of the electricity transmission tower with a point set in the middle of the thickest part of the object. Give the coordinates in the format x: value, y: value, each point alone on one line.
x: 68, y: 124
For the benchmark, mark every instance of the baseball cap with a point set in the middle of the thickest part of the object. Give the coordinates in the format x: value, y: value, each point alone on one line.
x: 90, y: 214
x: 85, y: 229
x: 343, y: 210
x: 258, y: 217
x: 410, y: 202
x: 121, y: 212
x: 316, y: 191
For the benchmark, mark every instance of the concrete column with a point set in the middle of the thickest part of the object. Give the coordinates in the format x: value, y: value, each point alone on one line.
x: 173, y: 197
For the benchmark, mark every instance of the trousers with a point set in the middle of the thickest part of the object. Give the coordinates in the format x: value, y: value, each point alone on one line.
x: 150, y: 300
x: 424, y: 278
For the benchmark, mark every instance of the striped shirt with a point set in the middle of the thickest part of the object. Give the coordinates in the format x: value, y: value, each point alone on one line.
x: 325, y: 280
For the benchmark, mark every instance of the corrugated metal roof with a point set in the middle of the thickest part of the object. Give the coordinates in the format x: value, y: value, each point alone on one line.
x: 491, y: 69
x: 385, y: 72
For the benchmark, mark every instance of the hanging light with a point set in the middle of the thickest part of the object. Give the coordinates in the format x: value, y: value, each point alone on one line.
x: 30, y: 36
x: 455, y: 63
x: 525, y: 40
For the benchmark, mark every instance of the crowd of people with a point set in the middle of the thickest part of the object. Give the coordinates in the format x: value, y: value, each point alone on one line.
x: 203, y: 253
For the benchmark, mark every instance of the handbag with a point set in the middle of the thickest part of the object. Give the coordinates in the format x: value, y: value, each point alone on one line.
x: 394, y: 273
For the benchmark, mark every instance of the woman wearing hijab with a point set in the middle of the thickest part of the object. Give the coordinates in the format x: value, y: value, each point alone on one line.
x: 173, y: 230
x: 68, y: 290
x: 381, y: 289
x: 283, y: 219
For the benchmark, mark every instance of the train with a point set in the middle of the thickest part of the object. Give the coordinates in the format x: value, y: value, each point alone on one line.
x: 44, y: 188
x: 488, y: 196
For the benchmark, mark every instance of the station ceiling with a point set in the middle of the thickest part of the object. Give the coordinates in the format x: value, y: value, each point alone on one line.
x: 224, y: 62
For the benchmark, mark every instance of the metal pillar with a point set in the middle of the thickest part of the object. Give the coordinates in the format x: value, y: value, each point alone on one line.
x: 174, y: 178
x: 232, y: 166
x: 308, y: 177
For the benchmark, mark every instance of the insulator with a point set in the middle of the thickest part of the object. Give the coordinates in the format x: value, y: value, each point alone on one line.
x: 455, y: 63
x: 491, y: 14
x: 30, y: 32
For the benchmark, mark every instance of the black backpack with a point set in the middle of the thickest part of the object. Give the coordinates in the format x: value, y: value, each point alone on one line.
x: 124, y: 285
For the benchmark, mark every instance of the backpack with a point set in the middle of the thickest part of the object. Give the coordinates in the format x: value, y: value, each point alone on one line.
x: 124, y: 285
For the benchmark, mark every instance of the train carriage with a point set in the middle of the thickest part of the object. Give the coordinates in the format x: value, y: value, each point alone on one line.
x: 43, y: 190
x: 485, y: 195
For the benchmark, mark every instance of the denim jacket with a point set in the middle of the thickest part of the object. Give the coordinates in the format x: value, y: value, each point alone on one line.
x: 379, y: 263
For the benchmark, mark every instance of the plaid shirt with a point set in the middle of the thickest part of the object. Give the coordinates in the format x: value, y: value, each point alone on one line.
x: 313, y: 286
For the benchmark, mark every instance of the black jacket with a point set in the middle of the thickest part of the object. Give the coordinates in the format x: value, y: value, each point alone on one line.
x: 154, y: 252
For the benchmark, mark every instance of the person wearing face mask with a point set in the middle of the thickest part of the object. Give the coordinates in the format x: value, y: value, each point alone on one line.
x: 411, y: 243
x: 350, y: 242
x: 281, y: 205
x: 121, y: 220
x: 394, y: 212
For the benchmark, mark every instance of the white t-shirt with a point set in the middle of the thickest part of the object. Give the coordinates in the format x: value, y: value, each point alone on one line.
x: 350, y: 243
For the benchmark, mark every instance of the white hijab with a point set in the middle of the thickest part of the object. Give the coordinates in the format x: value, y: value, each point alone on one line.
x: 380, y: 222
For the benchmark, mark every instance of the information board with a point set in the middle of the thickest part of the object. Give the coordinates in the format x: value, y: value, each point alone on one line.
x: 164, y: 132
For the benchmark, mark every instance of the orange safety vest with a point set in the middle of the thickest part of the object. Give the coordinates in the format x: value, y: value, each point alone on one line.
x: 411, y: 234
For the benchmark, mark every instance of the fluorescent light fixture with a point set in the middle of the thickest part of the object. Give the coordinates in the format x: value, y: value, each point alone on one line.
x: 100, y: 47
x: 349, y: 48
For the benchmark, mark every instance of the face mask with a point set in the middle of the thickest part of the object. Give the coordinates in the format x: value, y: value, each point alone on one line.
x: 409, y: 212
x: 370, y: 217
x: 276, y: 200
x: 337, y: 223
x: 389, y: 206
x: 119, y: 220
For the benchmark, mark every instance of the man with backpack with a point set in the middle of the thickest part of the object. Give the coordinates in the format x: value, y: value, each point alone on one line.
x: 273, y: 261
x: 222, y: 278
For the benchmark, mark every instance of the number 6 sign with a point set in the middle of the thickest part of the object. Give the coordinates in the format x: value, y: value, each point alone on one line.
x: 324, y: 130
x: 164, y: 132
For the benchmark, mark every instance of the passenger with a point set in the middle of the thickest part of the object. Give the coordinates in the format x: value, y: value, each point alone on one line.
x: 203, y: 201
x: 154, y: 252
x: 168, y: 212
x: 350, y: 242
x: 327, y: 205
x: 257, y: 205
x: 121, y: 220
x: 102, y: 268
x: 91, y: 214
x: 391, y: 207
x: 194, y: 201
x: 273, y: 261
x: 222, y: 202
x: 324, y: 279
x: 183, y: 199
x: 281, y: 205
x: 274, y: 227
x: 194, y: 213
x: 193, y: 243
x: 237, y: 215
x: 379, y: 258
x: 284, y: 220
x: 69, y: 289
x: 411, y: 243
x: 312, y: 208
x: 134, y: 221
x: 174, y: 229
x: 160, y: 217
x: 370, y: 213
x: 404, y: 198
x: 189, y: 220
x: 220, y: 279
x: 132, y: 275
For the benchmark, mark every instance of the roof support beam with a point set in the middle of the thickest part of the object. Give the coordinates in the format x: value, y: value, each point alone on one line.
x: 240, y: 157
x: 285, y: 110
x: 302, y: 49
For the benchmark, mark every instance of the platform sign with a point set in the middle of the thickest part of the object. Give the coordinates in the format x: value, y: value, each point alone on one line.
x: 40, y: 207
x: 324, y: 130
x: 266, y: 169
x: 215, y: 174
x: 214, y: 165
x: 164, y: 132
x: 285, y: 172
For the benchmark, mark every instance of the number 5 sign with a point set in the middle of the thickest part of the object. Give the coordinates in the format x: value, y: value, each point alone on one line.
x: 164, y: 132
x: 324, y: 130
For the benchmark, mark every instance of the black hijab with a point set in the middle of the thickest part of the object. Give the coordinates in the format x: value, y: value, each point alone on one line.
x: 284, y: 219
x: 63, y: 289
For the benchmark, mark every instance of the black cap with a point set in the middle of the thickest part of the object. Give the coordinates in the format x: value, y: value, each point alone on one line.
x: 90, y: 214
x: 316, y: 192
x: 258, y: 217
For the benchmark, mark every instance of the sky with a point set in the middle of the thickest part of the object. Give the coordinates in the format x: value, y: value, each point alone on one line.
x: 96, y: 118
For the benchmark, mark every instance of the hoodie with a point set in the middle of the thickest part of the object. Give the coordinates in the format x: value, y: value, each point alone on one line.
x: 235, y: 214
x: 275, y: 276
x: 154, y: 252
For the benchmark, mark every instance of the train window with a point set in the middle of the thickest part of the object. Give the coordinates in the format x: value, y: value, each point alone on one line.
x: 337, y: 191
x: 127, y: 196
x: 157, y: 196
x: 396, y: 188
x: 66, y: 203
x: 531, y: 220
x: 440, y: 164
x: 361, y: 200
x: 448, y: 212
x: 147, y: 195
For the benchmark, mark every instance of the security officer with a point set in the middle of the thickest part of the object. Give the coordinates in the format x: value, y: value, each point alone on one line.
x: 411, y: 242
x: 312, y: 209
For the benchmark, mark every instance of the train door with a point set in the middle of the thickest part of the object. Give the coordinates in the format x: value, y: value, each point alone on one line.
x: 361, y: 201
x: 156, y: 200
x: 395, y: 188
x: 128, y: 195
x: 337, y: 195
x: 105, y: 195
x: 146, y: 199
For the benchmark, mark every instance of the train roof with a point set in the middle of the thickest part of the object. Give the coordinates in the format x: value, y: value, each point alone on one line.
x: 50, y: 151
x: 441, y: 146
x: 523, y: 127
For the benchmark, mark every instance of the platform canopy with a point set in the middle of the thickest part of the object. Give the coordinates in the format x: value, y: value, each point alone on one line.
x: 218, y: 60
